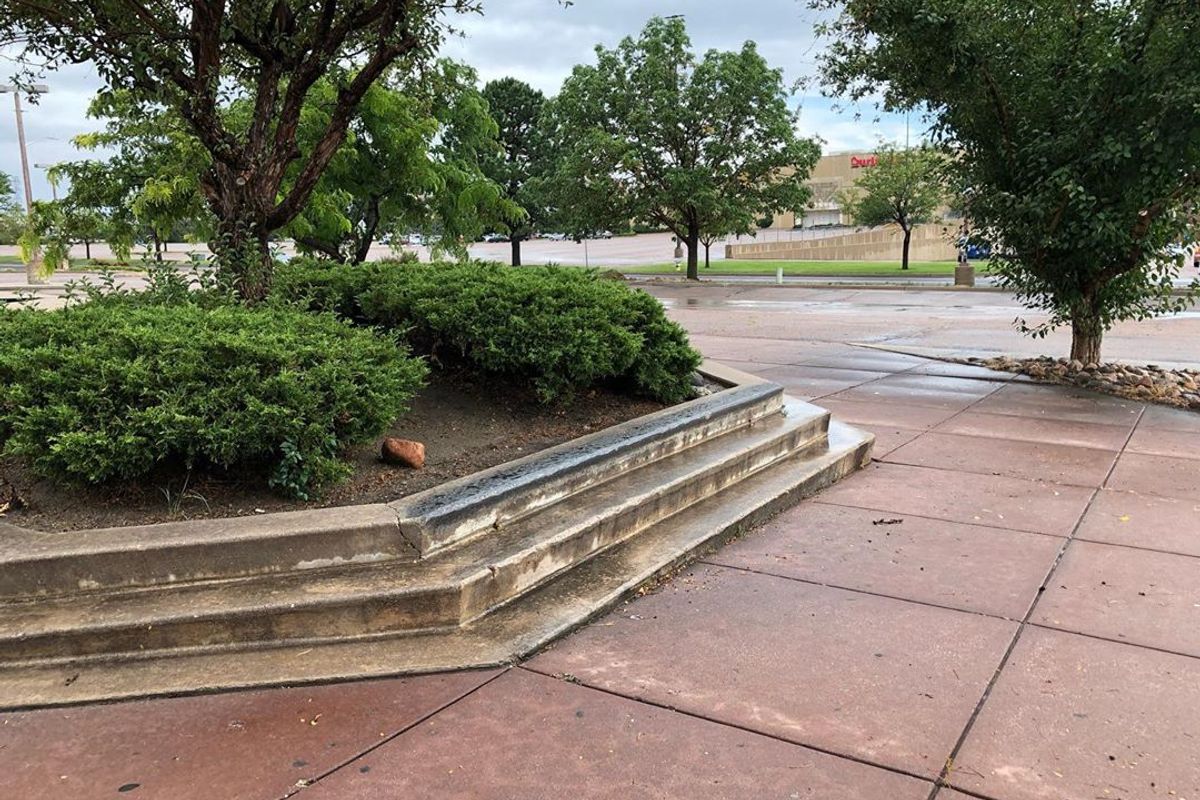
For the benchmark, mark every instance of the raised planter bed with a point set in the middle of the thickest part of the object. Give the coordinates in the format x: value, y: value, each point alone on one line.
x: 476, y: 572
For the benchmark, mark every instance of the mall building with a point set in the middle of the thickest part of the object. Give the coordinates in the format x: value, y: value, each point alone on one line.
x: 833, y: 174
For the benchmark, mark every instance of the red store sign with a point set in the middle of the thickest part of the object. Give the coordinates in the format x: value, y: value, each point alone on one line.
x: 859, y: 163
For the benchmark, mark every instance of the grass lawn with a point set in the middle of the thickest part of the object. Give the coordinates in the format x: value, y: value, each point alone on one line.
x: 889, y: 269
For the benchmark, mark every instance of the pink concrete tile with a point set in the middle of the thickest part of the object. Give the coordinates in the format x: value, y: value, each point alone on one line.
x: 743, y: 348
x: 809, y: 382
x: 901, y: 415
x: 885, y: 680
x: 1137, y: 520
x: 1158, y: 475
x: 1078, y: 466
x: 865, y: 359
x: 1170, y: 419
x: 1137, y: 596
x: 954, y: 394
x: 534, y: 737
x: 1073, y: 718
x: 888, y: 437
x: 931, y: 561
x: 963, y: 497
x: 1162, y: 442
x: 1026, y: 429
x: 1056, y: 402
x: 240, y: 746
x: 949, y: 369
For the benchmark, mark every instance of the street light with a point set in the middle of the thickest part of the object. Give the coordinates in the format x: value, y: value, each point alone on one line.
x: 15, y: 91
x: 36, y: 89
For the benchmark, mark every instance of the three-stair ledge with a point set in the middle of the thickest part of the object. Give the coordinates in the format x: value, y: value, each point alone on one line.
x: 474, y: 573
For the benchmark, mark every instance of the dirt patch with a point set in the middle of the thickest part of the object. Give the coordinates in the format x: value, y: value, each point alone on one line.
x: 466, y: 423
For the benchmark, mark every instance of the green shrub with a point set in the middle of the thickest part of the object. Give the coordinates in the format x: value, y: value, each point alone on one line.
x: 118, y: 388
x: 562, y: 330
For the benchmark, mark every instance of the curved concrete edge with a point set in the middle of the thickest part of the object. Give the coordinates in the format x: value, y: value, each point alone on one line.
x: 40, y: 564
x: 452, y: 512
x: 503, y: 637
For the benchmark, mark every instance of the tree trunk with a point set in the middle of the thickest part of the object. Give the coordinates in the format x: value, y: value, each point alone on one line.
x: 516, y: 250
x: 243, y: 257
x: 707, y: 245
x: 907, y: 246
x: 87, y: 250
x: 693, y: 253
x: 1087, y: 332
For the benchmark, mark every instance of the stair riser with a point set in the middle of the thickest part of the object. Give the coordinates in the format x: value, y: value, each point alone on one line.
x: 509, y: 581
x: 430, y: 534
x: 201, y: 551
x: 382, y: 613
x: 395, y: 611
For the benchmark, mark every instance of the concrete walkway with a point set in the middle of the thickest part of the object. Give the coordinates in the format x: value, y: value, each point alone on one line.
x: 1005, y: 605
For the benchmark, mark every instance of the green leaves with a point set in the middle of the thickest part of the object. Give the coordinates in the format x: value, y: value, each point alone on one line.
x: 561, y: 330
x: 653, y: 134
x: 119, y: 387
x: 1074, y: 130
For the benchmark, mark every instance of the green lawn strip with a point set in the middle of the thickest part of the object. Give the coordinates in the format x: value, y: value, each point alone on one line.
x: 832, y: 269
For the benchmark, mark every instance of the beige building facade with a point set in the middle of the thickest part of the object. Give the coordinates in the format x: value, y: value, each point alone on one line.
x: 833, y: 174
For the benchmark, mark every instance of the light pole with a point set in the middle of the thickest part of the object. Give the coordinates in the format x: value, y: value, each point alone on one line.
x: 15, y: 91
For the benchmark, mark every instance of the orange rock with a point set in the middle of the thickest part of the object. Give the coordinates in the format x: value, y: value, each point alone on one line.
x: 404, y: 452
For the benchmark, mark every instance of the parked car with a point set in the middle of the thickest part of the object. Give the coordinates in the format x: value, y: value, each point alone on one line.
x: 495, y: 237
x: 556, y: 237
x: 603, y: 235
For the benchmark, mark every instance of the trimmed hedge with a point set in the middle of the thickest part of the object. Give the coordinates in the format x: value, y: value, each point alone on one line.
x: 119, y: 387
x: 562, y: 330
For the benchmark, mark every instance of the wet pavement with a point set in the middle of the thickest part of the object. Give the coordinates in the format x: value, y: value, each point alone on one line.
x: 1003, y: 605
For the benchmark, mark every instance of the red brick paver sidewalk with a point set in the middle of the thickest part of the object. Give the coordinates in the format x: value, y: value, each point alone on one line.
x: 1005, y: 605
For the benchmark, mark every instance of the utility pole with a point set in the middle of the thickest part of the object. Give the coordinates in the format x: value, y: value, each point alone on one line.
x: 41, y: 88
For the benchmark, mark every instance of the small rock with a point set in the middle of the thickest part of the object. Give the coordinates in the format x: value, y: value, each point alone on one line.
x: 1075, y: 365
x: 404, y: 452
x: 697, y: 379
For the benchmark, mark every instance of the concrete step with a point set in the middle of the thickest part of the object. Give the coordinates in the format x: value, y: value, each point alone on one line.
x: 449, y: 589
x: 34, y: 563
x: 508, y: 634
x: 476, y: 504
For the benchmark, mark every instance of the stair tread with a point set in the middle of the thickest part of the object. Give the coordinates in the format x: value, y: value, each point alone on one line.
x: 502, y: 637
x: 122, y: 608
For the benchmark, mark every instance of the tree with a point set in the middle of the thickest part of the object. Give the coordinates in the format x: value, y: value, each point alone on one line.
x: 195, y: 57
x: 1074, y: 130
x: 12, y: 216
x: 520, y: 164
x: 903, y: 188
x: 652, y: 134
x: 149, y: 184
x: 412, y: 159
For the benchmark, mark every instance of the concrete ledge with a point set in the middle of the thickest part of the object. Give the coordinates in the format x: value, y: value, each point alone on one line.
x: 455, y: 511
x: 36, y: 563
x: 503, y: 637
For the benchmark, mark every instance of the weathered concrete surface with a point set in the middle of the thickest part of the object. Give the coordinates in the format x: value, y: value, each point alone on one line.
x: 1075, y: 711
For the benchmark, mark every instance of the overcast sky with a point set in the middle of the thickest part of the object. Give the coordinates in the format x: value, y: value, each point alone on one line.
x: 538, y: 41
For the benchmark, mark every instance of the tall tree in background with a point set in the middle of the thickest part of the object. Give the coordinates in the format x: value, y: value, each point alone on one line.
x: 518, y: 166
x: 194, y: 57
x: 653, y: 134
x: 903, y: 188
x: 12, y: 216
x: 413, y: 159
x: 148, y: 186
x: 1075, y: 132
